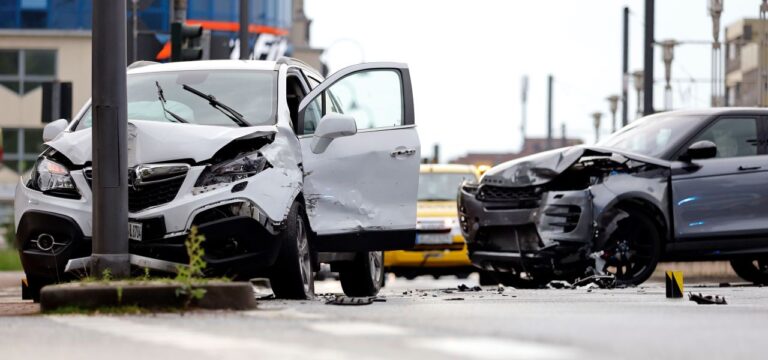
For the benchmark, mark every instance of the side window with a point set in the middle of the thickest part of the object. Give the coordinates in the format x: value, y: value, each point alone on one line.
x: 374, y: 98
x: 734, y: 137
x: 313, y: 83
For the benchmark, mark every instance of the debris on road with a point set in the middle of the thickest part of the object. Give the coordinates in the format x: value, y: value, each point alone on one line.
x: 346, y: 300
x: 454, y: 299
x: 596, y: 281
x: 500, y: 289
x: 707, y: 299
x: 463, y: 287
x: 559, y: 284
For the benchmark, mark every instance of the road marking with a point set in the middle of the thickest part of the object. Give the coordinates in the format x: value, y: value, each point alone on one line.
x: 494, y: 348
x: 356, y: 328
x: 192, y: 340
x: 289, y: 313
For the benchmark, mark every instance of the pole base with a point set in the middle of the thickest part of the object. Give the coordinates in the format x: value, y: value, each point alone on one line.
x: 119, y: 265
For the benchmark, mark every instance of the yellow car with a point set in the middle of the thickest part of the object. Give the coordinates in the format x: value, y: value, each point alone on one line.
x: 440, y: 247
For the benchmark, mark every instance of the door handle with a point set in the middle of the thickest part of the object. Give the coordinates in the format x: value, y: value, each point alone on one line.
x: 746, y: 168
x: 402, y: 152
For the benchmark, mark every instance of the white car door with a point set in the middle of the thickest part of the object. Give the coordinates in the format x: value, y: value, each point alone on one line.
x: 361, y: 156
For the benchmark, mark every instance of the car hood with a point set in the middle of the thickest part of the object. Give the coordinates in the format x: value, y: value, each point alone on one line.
x: 541, y: 168
x: 153, y: 141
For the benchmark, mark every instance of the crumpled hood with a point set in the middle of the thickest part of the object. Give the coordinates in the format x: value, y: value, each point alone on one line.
x: 153, y: 141
x: 541, y: 168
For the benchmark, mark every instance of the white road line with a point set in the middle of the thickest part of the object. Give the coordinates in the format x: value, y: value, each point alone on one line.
x: 192, y: 340
x: 495, y: 348
x: 356, y: 328
x: 288, y: 313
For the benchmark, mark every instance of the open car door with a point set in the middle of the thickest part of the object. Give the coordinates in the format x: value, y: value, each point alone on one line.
x: 361, y: 156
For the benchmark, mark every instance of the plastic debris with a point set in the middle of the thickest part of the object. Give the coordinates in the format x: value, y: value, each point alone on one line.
x: 463, y: 287
x: 707, y: 299
x: 559, y: 284
x: 345, y: 300
x: 454, y: 299
x: 599, y: 281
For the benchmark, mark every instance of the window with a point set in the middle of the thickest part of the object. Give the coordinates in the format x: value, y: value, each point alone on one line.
x: 374, y: 98
x: 734, y: 137
x: 22, y: 147
x: 22, y: 71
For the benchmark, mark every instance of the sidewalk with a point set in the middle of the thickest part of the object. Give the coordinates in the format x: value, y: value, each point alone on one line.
x: 10, y: 296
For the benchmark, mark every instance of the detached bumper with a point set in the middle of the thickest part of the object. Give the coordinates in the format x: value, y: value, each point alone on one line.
x: 555, y: 228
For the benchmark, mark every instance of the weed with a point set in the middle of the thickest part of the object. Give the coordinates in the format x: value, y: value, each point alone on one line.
x: 189, y: 276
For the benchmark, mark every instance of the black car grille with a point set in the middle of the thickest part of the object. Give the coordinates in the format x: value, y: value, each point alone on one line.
x: 147, y: 195
x: 565, y: 216
x: 526, y: 197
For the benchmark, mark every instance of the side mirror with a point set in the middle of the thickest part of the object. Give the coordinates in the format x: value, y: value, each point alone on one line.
x: 53, y: 129
x: 703, y: 149
x: 332, y: 126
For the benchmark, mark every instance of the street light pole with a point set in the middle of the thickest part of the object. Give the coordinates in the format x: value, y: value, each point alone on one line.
x: 613, y: 102
x: 243, y: 32
x: 668, y: 54
x: 596, y: 122
x: 637, y: 77
x: 550, y: 80
x: 625, y: 71
x: 109, y: 141
x: 648, y: 58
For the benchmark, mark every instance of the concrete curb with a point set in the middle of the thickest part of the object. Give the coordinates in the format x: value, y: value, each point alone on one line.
x: 218, y: 295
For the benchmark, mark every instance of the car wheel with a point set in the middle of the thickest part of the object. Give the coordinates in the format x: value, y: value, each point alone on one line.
x: 292, y: 275
x: 364, y: 276
x: 633, y: 250
x: 488, y: 278
x: 752, y: 270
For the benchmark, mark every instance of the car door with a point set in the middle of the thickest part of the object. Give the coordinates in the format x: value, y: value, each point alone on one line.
x: 360, y: 192
x: 725, y: 196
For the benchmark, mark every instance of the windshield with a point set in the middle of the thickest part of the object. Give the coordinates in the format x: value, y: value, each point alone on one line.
x: 652, y: 136
x: 250, y: 93
x: 441, y: 186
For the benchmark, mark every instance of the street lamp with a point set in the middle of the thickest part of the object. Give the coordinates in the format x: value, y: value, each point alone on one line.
x: 596, y: 118
x: 715, y: 8
x: 613, y: 101
x: 668, y: 54
x: 637, y: 77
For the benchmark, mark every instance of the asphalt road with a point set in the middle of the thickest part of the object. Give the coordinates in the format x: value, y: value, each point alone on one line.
x: 418, y: 320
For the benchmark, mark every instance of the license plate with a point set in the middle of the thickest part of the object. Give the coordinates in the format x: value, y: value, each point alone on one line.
x: 134, y: 231
x: 433, y: 239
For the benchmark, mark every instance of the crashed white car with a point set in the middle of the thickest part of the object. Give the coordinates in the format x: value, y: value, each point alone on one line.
x: 279, y: 169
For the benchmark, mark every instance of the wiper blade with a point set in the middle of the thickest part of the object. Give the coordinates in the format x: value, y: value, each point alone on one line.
x: 226, y: 110
x: 161, y: 97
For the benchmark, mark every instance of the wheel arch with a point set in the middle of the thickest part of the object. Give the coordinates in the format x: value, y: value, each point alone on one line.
x: 634, y: 203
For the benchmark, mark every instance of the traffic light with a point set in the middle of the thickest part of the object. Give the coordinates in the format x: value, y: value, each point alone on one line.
x: 186, y: 42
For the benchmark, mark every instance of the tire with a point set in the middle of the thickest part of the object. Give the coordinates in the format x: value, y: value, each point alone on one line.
x: 364, y: 276
x: 752, y: 270
x: 633, y: 250
x: 488, y: 278
x: 292, y: 275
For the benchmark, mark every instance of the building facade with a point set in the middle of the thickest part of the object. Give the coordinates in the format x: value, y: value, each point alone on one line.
x: 742, y: 63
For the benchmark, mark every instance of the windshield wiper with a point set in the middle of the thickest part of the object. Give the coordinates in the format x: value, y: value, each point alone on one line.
x: 161, y: 97
x: 218, y: 105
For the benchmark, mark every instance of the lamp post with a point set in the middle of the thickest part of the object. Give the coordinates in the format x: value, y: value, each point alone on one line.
x: 637, y: 78
x: 668, y: 54
x: 715, y: 8
x: 596, y: 122
x: 613, y: 102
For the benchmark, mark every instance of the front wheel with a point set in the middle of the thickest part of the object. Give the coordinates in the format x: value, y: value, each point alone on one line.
x: 363, y: 276
x: 752, y: 270
x: 292, y: 275
x: 633, y: 250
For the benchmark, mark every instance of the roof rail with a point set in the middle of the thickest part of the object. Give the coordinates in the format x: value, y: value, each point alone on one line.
x: 141, y: 63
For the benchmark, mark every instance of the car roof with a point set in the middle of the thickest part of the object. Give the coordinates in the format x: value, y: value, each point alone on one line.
x: 447, y: 168
x: 147, y: 67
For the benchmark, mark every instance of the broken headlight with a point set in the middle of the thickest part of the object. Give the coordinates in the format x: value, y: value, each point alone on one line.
x: 52, y: 178
x: 233, y: 170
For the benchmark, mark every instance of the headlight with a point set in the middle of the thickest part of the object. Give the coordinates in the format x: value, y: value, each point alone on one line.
x: 233, y: 170
x: 52, y: 178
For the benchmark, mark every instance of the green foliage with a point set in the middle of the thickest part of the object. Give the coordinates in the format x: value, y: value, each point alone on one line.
x: 189, y: 276
x: 106, y: 275
x: 9, y: 260
x: 10, y: 234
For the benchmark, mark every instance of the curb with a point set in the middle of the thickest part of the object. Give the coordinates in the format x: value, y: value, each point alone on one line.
x: 218, y: 296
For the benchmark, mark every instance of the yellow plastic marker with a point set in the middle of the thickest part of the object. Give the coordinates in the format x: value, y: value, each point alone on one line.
x: 674, y: 280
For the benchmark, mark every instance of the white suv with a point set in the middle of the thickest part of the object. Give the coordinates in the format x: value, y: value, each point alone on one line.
x: 278, y: 168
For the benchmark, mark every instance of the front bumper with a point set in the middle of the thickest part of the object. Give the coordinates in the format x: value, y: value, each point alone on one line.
x: 556, y: 229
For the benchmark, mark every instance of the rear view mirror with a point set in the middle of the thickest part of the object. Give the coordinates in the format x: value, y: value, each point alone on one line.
x: 332, y: 126
x: 53, y: 129
x: 703, y: 149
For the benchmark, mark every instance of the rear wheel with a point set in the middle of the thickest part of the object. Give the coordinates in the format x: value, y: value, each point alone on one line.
x: 633, y: 250
x: 752, y: 270
x: 292, y: 276
x: 364, y: 276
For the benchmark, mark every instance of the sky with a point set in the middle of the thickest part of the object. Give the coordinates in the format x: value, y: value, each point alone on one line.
x: 467, y: 59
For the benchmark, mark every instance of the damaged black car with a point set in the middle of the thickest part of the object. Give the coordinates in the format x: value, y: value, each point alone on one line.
x: 675, y: 186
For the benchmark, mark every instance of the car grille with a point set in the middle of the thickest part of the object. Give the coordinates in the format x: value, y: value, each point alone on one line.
x: 147, y: 195
x: 565, y: 216
x: 526, y: 197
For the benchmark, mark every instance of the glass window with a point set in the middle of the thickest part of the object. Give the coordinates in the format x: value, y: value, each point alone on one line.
x: 653, y: 135
x: 312, y: 115
x: 733, y: 137
x: 33, y: 141
x: 40, y: 62
x: 374, y: 98
x: 313, y: 83
x: 250, y: 93
x: 9, y: 62
x: 441, y: 186
x: 22, y: 71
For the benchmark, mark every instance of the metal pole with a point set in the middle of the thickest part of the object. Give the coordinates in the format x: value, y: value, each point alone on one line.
x: 524, y: 107
x: 179, y: 11
x: 625, y: 70
x: 135, y: 30
x: 549, y: 112
x: 110, y: 150
x: 648, y: 59
x: 243, y: 33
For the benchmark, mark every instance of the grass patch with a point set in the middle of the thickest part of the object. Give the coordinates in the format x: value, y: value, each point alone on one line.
x: 9, y: 260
